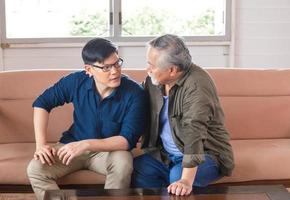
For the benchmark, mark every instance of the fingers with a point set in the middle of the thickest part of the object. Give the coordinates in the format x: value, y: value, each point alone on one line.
x: 65, y: 156
x: 35, y: 156
x: 173, y: 188
x: 50, y: 155
x: 45, y: 155
x: 53, y: 151
x: 69, y: 159
x: 61, y: 154
x: 179, y: 189
x: 188, y: 191
x: 42, y: 160
x: 47, y: 158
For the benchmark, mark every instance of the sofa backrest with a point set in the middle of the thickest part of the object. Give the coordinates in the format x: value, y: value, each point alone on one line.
x: 256, y: 102
x: 18, y: 90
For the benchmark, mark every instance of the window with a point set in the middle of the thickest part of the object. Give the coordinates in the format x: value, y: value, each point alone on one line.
x: 119, y: 20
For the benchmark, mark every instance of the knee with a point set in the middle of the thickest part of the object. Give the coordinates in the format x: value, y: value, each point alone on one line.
x: 35, y: 168
x: 142, y: 162
x: 120, y: 162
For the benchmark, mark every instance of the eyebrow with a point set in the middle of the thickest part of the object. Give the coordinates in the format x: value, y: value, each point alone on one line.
x: 112, y: 63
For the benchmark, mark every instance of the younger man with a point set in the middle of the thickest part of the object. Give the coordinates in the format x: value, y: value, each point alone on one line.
x: 108, y: 119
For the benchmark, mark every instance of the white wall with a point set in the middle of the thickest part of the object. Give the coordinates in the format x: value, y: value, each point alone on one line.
x: 263, y: 33
x: 134, y: 57
x: 262, y: 40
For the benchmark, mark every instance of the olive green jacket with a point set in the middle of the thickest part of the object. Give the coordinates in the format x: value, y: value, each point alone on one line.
x: 196, y: 120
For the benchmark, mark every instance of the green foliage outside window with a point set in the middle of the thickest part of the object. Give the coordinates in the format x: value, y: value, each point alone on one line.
x: 89, y: 25
x: 147, y: 22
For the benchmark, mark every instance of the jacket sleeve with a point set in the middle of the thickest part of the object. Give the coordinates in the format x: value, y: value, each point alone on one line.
x: 197, y: 112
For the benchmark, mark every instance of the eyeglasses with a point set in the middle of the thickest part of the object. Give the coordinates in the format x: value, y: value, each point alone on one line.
x: 107, y: 68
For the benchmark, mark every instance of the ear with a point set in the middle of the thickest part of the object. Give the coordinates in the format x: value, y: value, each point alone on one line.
x: 88, y: 69
x: 173, y: 70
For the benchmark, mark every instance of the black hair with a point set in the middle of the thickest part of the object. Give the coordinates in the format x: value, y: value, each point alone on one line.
x: 97, y: 50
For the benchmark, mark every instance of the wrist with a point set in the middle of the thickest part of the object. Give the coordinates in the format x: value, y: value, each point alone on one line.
x: 86, y: 145
x: 186, y: 181
x: 188, y: 175
x: 40, y: 145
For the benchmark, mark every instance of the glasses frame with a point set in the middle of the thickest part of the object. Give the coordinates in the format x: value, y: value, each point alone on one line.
x: 107, y: 68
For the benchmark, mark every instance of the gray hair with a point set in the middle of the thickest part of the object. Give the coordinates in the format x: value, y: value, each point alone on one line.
x: 173, y: 51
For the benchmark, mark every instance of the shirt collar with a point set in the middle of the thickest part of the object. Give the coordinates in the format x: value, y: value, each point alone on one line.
x: 90, y: 85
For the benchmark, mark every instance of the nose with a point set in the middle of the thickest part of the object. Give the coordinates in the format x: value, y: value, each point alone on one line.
x: 114, y: 70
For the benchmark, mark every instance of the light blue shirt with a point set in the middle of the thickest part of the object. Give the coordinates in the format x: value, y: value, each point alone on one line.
x: 165, y: 131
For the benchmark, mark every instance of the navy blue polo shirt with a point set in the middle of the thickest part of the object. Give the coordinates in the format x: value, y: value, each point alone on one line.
x: 121, y: 113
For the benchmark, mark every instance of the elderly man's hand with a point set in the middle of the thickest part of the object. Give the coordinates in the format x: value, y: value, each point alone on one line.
x: 181, y: 187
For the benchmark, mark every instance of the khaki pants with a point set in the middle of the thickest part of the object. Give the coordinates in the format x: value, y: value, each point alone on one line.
x: 117, y: 166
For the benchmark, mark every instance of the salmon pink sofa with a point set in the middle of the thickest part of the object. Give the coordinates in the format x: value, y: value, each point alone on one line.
x: 256, y: 103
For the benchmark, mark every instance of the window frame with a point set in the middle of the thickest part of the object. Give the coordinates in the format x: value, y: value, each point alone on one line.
x: 115, y: 29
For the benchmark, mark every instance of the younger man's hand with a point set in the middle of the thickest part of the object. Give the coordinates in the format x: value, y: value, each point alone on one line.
x: 45, y: 154
x: 70, y: 151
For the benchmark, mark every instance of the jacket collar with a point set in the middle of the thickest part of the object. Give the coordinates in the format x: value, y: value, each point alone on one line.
x: 182, y: 79
x: 185, y: 74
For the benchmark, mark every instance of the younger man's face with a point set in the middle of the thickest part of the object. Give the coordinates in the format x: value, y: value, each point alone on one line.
x: 111, y: 78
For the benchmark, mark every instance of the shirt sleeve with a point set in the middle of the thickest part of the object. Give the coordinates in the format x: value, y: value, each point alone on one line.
x: 135, y: 120
x: 58, y: 94
x: 197, y: 112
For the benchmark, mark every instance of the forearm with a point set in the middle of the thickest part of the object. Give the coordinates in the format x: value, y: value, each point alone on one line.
x: 189, y: 174
x: 40, y: 120
x: 108, y: 144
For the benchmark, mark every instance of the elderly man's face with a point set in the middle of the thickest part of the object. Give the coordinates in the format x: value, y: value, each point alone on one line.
x: 159, y: 76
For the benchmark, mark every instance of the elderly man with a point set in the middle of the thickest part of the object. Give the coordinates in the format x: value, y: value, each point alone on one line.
x: 187, y: 144
x: 109, y: 115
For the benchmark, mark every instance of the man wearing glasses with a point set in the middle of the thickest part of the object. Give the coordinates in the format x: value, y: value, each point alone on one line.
x: 109, y: 117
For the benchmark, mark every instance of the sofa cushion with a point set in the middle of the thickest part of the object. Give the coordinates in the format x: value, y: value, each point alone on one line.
x: 256, y: 102
x: 251, y: 82
x: 16, y: 121
x: 254, y: 160
x: 264, y: 117
x: 260, y: 160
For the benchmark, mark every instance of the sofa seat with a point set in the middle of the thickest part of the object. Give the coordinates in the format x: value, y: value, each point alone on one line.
x: 251, y: 159
x: 260, y: 159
